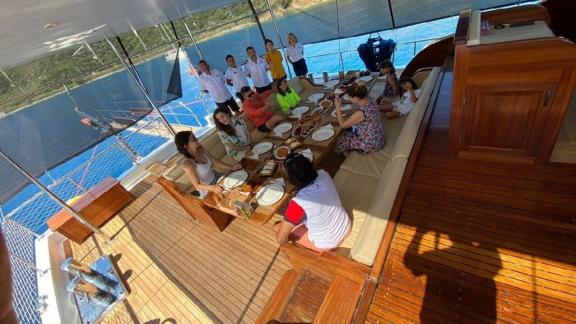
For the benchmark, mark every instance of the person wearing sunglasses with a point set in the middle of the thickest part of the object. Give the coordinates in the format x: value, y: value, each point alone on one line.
x: 260, y: 113
x: 199, y: 163
x: 315, y: 217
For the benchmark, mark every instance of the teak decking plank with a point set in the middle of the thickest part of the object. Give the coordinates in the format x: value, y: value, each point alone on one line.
x: 505, y: 248
x: 165, y: 250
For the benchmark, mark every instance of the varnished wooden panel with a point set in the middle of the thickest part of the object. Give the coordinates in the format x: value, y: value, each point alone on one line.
x: 509, y: 117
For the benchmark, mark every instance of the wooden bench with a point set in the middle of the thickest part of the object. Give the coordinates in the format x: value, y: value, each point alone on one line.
x: 98, y: 205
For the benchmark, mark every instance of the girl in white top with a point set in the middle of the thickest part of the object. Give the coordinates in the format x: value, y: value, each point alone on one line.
x: 404, y: 105
x: 295, y: 54
x: 314, y: 218
x: 199, y: 163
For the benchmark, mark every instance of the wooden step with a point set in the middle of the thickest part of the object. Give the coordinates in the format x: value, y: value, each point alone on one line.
x: 279, y: 299
x: 340, y: 301
x: 321, y: 288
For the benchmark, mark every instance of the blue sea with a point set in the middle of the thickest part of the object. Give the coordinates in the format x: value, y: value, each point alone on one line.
x: 188, y: 111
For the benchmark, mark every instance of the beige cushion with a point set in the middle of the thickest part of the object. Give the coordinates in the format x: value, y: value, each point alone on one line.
x: 368, y: 241
x: 296, y: 85
x: 228, y: 160
x: 355, y: 192
x: 403, y: 145
x: 392, y: 127
x: 177, y: 175
x: 371, y: 165
x: 212, y: 143
x: 420, y: 76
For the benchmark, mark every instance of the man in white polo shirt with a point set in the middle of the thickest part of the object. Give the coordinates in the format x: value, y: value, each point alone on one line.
x: 257, y: 69
x: 235, y: 76
x: 213, y: 82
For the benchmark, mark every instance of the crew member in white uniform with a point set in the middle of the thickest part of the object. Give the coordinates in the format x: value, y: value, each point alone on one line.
x: 257, y: 69
x: 235, y: 77
x: 212, y: 82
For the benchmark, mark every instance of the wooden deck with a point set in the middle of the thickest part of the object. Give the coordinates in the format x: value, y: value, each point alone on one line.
x: 180, y: 271
x: 480, y: 241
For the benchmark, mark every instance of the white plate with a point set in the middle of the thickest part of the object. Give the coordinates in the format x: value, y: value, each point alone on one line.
x: 315, y: 97
x: 382, y: 77
x: 269, y: 194
x: 262, y: 147
x: 331, y: 84
x: 333, y: 113
x: 346, y: 107
x: 322, y: 134
x: 282, y: 128
x: 234, y: 179
x: 338, y: 91
x: 299, y: 111
x: 365, y: 78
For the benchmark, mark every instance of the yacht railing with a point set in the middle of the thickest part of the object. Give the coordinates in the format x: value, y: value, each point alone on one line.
x: 23, y: 225
x: 415, y: 46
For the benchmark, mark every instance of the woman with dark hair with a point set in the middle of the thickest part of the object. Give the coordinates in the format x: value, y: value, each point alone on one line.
x: 367, y: 131
x: 233, y: 133
x: 287, y: 98
x: 404, y: 105
x: 274, y: 58
x: 315, y: 217
x: 391, y: 85
x: 199, y: 163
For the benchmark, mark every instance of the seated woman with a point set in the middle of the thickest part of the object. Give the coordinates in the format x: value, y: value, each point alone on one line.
x: 233, y: 133
x: 315, y: 217
x: 287, y: 98
x: 258, y: 111
x: 391, y: 85
x: 404, y: 105
x: 199, y: 162
x: 367, y: 134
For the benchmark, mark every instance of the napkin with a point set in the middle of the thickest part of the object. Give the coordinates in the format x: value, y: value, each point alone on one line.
x: 252, y: 156
x: 307, y: 153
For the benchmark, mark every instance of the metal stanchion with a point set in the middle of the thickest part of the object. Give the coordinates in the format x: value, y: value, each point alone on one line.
x: 59, y: 201
x: 134, y: 74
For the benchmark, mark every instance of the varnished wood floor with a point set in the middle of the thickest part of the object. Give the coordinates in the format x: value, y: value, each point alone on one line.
x: 481, y: 242
x: 180, y: 271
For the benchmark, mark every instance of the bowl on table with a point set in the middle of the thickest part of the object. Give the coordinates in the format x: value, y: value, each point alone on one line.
x: 281, y: 152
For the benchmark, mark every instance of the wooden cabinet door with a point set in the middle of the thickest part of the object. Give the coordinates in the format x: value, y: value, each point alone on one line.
x: 505, y: 122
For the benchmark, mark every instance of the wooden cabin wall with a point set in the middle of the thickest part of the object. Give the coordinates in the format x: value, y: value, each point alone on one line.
x: 542, y: 72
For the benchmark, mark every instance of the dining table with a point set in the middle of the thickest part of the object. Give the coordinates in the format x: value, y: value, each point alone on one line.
x: 248, y: 191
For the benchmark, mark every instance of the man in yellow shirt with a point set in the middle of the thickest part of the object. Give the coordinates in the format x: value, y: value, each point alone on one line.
x: 274, y: 58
